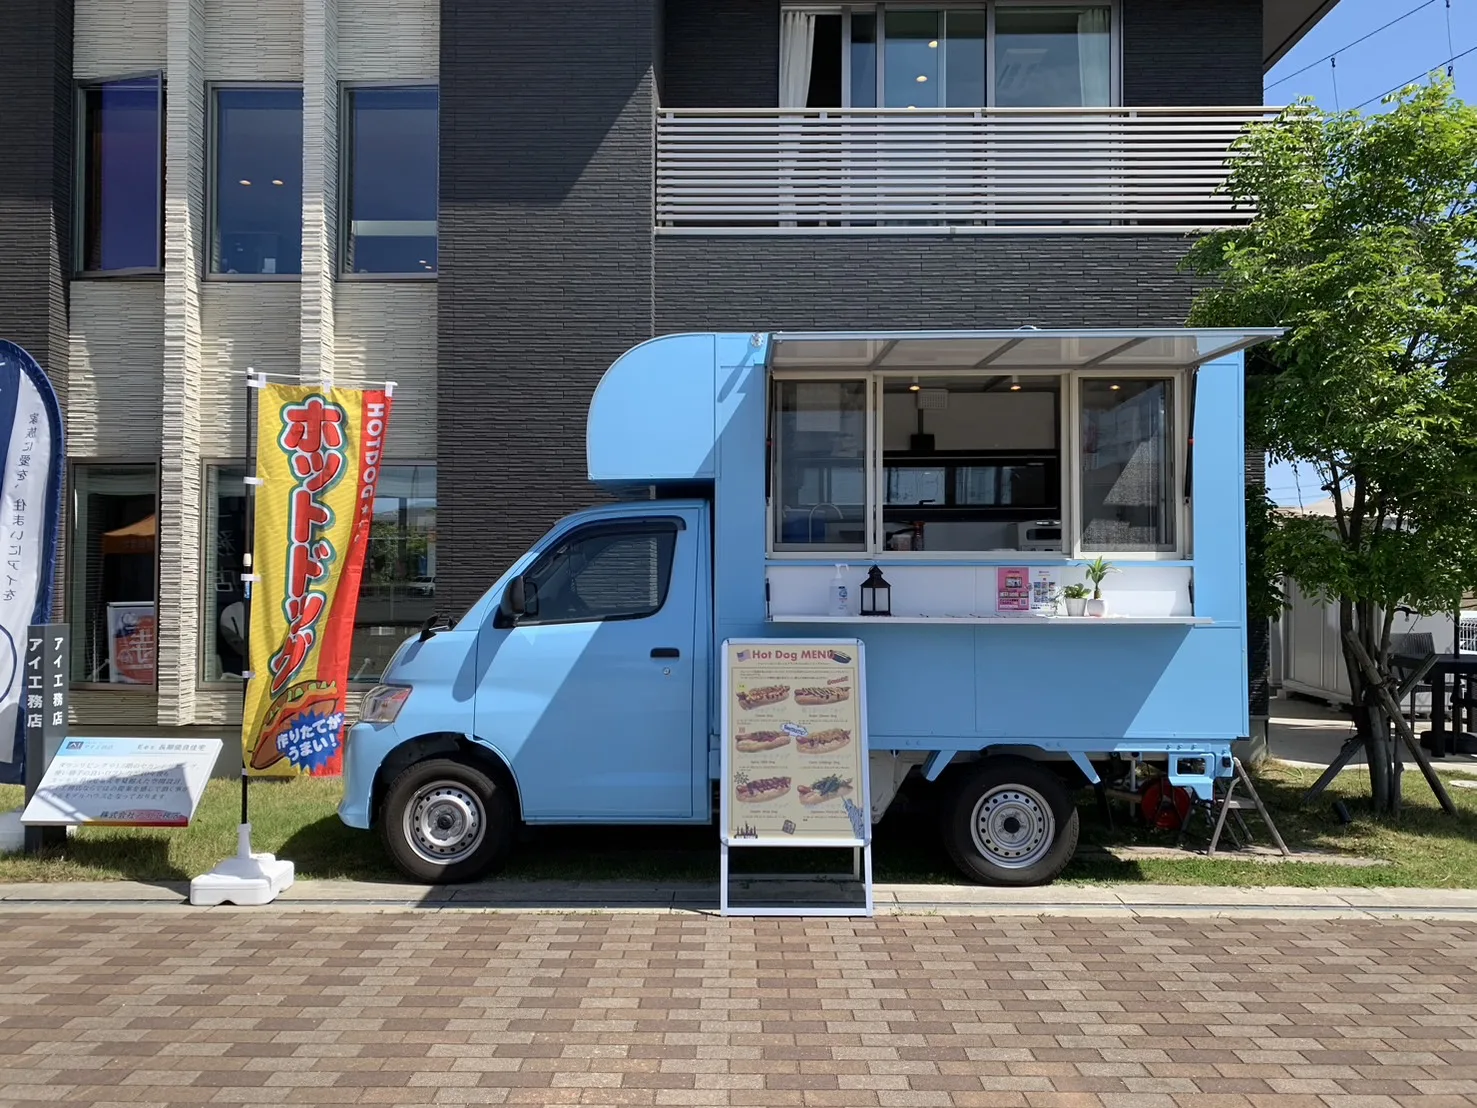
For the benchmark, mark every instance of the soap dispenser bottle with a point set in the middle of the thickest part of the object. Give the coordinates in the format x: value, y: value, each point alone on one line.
x: 838, y: 592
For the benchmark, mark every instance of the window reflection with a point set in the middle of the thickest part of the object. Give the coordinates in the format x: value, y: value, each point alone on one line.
x: 258, y: 181
x: 393, y: 165
x: 1053, y: 57
x: 112, y: 574
x: 1128, y: 496
x: 122, y: 198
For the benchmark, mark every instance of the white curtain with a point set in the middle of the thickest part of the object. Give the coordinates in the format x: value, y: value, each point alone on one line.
x: 797, y: 40
x: 1095, y: 57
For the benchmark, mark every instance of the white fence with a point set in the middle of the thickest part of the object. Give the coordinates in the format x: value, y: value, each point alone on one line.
x: 951, y: 170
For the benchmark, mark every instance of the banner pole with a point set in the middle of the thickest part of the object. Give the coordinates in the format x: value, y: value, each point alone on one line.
x: 246, y: 573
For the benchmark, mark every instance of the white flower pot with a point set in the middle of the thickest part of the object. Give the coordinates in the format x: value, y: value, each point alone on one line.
x: 1076, y: 607
x: 1097, y: 607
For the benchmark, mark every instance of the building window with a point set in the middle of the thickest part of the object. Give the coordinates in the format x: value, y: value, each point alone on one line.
x: 113, y: 573
x: 122, y: 175
x: 393, y: 162
x: 223, y: 627
x: 906, y: 56
x: 1128, y: 496
x: 396, y: 595
x: 258, y: 183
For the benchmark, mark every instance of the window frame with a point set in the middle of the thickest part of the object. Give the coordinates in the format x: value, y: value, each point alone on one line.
x: 105, y: 463
x: 878, y: 8
x: 343, y: 187
x: 1069, y: 465
x: 657, y: 523
x: 211, y: 510
x: 80, y: 174
x: 212, y: 179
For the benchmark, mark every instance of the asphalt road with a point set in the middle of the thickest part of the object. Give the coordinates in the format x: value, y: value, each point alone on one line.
x: 401, y: 1007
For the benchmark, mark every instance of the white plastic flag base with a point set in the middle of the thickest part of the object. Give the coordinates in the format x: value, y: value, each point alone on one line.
x: 12, y: 832
x: 248, y: 880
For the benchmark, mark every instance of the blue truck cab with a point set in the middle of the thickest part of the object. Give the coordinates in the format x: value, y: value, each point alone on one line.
x: 582, y: 687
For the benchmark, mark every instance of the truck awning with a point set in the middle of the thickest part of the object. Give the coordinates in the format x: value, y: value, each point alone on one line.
x: 1027, y: 348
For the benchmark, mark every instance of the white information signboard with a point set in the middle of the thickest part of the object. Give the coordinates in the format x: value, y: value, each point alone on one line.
x: 794, y: 755
x: 123, y: 782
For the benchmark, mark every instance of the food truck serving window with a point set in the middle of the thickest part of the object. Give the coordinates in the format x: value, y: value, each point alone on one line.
x: 977, y: 462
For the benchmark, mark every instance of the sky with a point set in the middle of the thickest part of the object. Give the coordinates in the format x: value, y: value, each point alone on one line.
x: 1363, y: 73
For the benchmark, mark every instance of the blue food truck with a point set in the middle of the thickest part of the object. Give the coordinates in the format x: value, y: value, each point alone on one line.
x: 980, y: 472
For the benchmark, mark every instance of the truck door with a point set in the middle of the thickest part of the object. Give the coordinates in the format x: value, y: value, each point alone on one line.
x: 590, y: 694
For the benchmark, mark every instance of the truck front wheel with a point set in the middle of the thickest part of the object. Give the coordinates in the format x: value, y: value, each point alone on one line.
x: 444, y: 822
x: 1011, y: 822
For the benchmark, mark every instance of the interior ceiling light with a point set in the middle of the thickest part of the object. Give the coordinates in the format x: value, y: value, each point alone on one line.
x: 921, y: 78
x: 1015, y: 383
x: 244, y: 181
x: 915, y: 386
x: 275, y: 181
x: 1115, y: 388
x: 934, y: 45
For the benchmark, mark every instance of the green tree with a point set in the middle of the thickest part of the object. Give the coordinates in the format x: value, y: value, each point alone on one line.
x: 1364, y: 246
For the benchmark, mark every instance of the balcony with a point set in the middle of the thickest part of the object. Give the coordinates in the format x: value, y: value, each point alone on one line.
x: 947, y: 171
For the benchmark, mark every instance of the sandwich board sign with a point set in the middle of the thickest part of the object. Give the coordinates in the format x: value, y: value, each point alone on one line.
x: 123, y: 783
x: 794, y: 755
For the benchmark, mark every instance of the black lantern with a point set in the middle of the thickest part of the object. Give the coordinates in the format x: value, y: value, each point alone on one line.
x: 876, y: 594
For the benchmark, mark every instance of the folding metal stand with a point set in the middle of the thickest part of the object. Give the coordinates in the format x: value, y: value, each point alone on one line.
x: 1233, y: 805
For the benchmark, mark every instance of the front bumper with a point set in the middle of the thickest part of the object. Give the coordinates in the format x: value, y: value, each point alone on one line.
x: 364, y: 752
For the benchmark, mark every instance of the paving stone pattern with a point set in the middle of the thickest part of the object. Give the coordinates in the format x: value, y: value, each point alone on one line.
x: 279, y: 1008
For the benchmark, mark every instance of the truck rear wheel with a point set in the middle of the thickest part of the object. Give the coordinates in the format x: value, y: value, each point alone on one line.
x: 1011, y: 822
x: 444, y: 822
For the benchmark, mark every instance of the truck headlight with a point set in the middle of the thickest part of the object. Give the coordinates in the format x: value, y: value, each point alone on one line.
x: 382, y: 703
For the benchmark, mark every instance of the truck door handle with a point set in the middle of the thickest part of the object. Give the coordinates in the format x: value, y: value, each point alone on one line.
x: 665, y: 652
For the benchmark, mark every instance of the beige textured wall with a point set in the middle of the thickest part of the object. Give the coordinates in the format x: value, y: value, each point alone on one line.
x: 253, y: 40
x: 116, y: 38
x: 117, y: 358
x: 159, y: 366
x: 383, y: 40
x: 386, y: 331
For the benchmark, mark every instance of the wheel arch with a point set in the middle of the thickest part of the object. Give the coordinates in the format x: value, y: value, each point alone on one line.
x: 446, y: 744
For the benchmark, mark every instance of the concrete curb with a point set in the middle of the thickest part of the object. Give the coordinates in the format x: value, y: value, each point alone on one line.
x: 1124, y: 901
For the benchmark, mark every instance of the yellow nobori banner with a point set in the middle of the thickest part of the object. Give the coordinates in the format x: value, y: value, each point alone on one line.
x: 318, y: 456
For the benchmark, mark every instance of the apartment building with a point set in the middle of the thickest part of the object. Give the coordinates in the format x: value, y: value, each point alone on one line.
x: 488, y: 202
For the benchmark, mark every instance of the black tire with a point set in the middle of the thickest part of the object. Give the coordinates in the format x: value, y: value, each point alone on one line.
x: 1027, y: 823
x: 464, y: 819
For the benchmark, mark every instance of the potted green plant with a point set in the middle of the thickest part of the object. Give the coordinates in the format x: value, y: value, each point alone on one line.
x: 1076, y: 597
x: 1096, y: 570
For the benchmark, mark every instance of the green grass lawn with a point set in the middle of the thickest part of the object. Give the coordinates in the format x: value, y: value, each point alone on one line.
x: 296, y: 819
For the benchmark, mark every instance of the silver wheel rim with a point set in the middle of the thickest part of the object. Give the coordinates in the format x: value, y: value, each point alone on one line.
x: 1013, y: 827
x: 445, y: 823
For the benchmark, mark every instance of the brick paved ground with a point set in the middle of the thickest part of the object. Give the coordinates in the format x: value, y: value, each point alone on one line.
x: 281, y: 1008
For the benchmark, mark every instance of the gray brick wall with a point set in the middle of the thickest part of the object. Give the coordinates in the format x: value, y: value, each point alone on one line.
x: 1178, y: 54
x: 36, y: 186
x: 545, y: 259
x: 746, y: 283
x: 721, y: 54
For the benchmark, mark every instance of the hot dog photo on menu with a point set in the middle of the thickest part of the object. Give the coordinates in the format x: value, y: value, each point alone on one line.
x: 749, y: 699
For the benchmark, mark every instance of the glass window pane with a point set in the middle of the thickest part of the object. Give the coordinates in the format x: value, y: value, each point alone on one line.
x: 258, y: 181
x: 911, y: 59
x: 112, y: 574
x: 1128, y: 494
x: 964, y: 56
x: 820, y: 475
x: 121, y: 169
x: 223, y: 652
x: 608, y: 573
x: 393, y: 180
x: 1053, y: 57
x: 398, y: 592
x: 863, y: 60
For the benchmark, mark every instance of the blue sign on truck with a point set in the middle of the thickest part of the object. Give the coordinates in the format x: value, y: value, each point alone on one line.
x: 981, y: 470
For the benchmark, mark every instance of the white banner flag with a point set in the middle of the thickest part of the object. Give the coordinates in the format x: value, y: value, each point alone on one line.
x: 30, y: 497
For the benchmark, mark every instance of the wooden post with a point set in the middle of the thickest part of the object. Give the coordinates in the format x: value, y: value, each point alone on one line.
x: 1397, y: 717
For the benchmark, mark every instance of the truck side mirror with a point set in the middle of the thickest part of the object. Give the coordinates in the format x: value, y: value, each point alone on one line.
x: 514, y: 602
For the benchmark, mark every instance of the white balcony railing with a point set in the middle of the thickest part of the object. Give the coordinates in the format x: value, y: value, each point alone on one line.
x: 951, y: 170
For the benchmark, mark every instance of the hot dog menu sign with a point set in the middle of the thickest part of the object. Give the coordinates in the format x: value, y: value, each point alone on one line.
x: 794, y: 749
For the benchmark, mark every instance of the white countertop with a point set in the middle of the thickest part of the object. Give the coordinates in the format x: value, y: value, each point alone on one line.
x: 1026, y: 620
